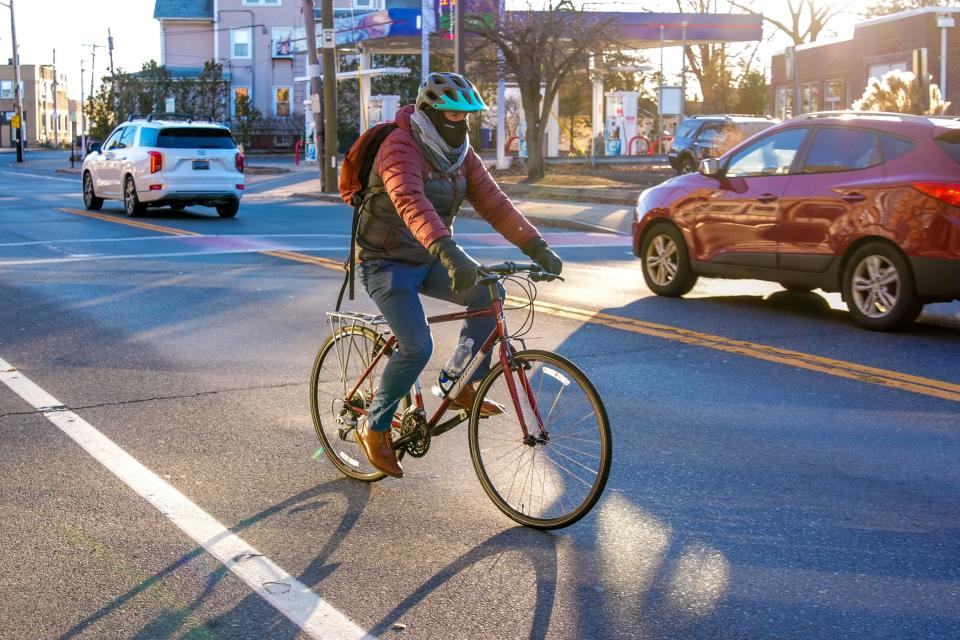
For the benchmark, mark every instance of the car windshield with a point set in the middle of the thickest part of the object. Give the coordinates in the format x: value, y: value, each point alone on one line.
x: 192, y: 138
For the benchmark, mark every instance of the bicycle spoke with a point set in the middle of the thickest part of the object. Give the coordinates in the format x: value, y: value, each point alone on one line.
x: 553, y: 444
x: 574, y: 461
x: 569, y: 472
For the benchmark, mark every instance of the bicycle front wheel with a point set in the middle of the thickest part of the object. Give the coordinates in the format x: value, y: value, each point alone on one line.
x: 342, y: 359
x: 553, y: 476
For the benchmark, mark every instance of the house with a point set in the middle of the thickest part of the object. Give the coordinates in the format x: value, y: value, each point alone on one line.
x: 41, y: 122
x: 832, y: 75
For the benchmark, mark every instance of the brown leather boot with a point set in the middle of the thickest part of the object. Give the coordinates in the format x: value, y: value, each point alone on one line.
x: 379, y: 449
x: 465, y: 401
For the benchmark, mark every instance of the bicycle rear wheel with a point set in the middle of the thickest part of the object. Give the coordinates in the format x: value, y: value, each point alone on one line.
x: 552, y: 478
x: 342, y: 359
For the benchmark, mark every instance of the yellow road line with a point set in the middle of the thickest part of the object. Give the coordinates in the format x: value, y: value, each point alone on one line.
x: 829, y: 366
x: 130, y: 222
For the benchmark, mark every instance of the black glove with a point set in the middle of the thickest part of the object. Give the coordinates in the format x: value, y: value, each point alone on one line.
x: 540, y: 253
x: 461, y: 267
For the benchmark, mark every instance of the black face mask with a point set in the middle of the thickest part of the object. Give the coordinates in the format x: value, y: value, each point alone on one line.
x: 453, y: 133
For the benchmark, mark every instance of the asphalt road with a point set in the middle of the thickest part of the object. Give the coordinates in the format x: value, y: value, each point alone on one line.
x: 778, y: 473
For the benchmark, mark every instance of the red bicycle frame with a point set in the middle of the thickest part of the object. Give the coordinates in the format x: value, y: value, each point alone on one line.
x: 499, y: 334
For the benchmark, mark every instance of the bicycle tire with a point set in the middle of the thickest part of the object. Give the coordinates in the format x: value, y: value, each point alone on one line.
x: 553, y: 379
x: 327, y: 388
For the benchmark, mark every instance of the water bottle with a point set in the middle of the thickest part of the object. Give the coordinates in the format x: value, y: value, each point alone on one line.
x: 455, y: 365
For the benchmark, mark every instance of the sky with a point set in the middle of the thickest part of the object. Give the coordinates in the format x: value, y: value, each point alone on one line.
x: 68, y: 25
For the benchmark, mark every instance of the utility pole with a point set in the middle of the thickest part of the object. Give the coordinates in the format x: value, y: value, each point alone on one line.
x: 83, y: 118
x: 330, y: 143
x: 17, y: 94
x: 313, y: 72
x: 56, y: 114
x: 110, y: 49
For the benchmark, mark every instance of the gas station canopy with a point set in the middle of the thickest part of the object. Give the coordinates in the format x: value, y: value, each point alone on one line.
x: 398, y: 30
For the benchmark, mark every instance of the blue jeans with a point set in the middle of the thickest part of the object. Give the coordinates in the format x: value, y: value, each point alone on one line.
x: 395, y: 288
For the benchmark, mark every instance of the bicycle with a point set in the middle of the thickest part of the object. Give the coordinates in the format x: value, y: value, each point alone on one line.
x: 544, y: 461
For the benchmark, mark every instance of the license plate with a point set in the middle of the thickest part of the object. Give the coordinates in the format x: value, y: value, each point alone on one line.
x: 201, y: 164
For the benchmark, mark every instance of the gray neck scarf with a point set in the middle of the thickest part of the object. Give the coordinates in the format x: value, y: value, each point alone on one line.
x: 443, y: 156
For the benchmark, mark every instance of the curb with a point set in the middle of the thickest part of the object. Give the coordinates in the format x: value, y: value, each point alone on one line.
x: 255, y: 170
x: 468, y: 212
x: 71, y: 172
x: 626, y: 197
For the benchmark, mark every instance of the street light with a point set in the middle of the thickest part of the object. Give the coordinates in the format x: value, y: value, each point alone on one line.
x: 17, y: 97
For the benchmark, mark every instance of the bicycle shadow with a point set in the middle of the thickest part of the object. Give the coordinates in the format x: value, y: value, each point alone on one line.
x: 260, y: 620
x: 540, y: 551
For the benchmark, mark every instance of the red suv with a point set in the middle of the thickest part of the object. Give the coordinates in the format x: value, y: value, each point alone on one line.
x: 863, y: 203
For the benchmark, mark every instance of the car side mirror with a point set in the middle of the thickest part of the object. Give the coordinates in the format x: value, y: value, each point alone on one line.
x: 710, y: 167
x: 95, y: 147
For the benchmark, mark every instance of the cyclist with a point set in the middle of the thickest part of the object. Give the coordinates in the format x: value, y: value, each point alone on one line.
x: 422, y: 172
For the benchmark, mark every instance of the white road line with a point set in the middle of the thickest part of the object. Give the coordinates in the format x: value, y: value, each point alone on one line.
x: 288, y: 595
x: 37, y: 175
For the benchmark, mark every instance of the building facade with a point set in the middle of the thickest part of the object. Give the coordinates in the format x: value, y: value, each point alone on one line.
x: 43, y: 124
x: 833, y: 75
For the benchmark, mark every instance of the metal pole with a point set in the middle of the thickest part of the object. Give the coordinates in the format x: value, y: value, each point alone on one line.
x: 501, y: 95
x: 426, y: 28
x: 56, y: 114
x: 110, y: 49
x: 83, y: 118
x: 17, y: 94
x: 330, y: 144
x: 313, y: 72
x: 459, y: 58
x: 660, y: 99
x: 683, y: 74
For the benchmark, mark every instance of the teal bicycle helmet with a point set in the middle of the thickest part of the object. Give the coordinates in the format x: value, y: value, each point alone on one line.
x: 449, y: 92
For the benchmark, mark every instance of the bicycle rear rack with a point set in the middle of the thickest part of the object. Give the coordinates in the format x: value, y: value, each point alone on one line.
x: 342, y: 319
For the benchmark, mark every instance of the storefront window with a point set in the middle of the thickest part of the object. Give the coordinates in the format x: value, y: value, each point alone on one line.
x: 784, y: 103
x: 833, y: 95
x: 810, y: 97
x: 281, y: 101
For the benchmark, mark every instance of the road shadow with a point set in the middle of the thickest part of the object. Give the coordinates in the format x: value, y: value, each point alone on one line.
x: 258, y: 618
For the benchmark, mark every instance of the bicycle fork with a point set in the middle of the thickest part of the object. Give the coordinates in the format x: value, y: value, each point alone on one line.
x: 529, y: 412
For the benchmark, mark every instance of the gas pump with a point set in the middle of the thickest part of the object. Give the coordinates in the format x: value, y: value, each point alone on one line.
x: 620, y: 123
x: 551, y: 131
x: 382, y: 109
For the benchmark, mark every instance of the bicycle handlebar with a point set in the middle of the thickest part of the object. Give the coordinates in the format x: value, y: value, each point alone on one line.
x: 508, y: 268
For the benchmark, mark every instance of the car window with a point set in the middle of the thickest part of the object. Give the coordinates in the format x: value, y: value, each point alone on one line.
x: 148, y: 136
x: 842, y: 149
x: 126, y: 138
x: 112, y: 140
x: 194, y: 138
x: 770, y: 156
x: 950, y: 144
x: 686, y: 129
x: 708, y: 135
x: 892, y: 146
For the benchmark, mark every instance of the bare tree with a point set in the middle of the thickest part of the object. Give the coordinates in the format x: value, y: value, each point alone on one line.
x: 805, y: 19
x: 542, y: 49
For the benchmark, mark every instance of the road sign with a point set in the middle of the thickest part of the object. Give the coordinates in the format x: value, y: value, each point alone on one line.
x: 329, y: 40
x: 15, y: 122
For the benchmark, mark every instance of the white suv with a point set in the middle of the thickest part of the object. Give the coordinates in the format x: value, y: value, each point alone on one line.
x: 170, y: 160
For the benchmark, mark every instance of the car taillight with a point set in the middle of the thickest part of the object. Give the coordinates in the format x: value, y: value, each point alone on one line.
x: 238, y: 161
x: 948, y: 192
x: 156, y: 161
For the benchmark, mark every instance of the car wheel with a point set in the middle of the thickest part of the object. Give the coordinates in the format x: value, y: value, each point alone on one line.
x: 666, y: 262
x: 228, y: 210
x: 878, y: 288
x: 131, y: 203
x: 687, y: 165
x: 90, y: 199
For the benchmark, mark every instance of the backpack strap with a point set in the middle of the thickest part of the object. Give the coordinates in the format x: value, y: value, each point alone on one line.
x: 359, y: 199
